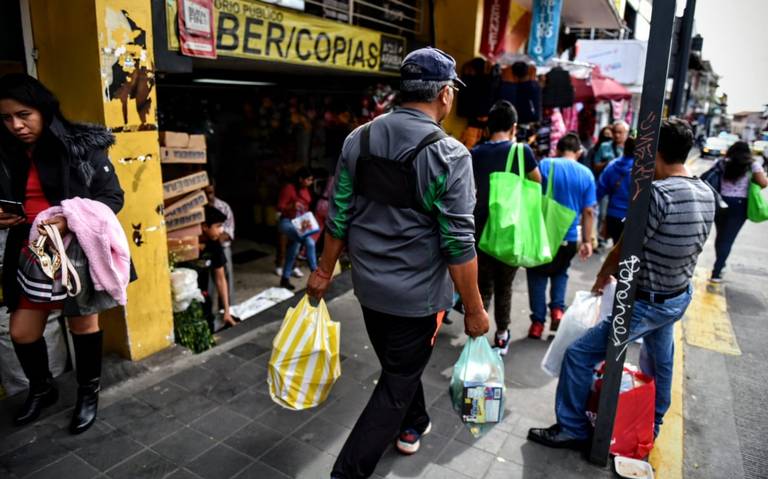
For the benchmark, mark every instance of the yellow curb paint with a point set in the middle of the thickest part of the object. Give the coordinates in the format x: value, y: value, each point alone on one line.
x: 667, y: 454
x: 708, y: 324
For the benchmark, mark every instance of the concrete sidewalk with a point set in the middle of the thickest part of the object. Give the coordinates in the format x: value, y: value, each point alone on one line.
x: 210, y: 416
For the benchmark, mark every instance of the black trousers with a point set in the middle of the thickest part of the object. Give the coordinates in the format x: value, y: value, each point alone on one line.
x: 403, y: 346
x: 615, y: 227
x: 495, y: 280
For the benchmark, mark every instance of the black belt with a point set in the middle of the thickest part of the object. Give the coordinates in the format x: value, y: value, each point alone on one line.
x: 658, y: 298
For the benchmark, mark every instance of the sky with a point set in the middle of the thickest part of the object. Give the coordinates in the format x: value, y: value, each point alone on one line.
x: 736, y: 42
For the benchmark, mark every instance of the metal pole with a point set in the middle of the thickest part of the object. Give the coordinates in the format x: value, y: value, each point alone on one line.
x: 651, y: 108
x: 686, y: 37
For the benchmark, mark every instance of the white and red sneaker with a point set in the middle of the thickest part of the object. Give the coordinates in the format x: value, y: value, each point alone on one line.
x: 410, y: 440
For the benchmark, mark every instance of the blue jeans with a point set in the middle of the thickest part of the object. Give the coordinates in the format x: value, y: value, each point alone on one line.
x: 295, y: 242
x: 557, y: 273
x: 652, y: 322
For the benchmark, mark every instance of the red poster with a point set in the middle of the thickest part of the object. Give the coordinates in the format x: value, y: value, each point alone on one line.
x: 196, y: 34
x: 495, y: 17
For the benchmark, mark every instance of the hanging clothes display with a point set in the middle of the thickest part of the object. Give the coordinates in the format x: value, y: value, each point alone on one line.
x: 482, y: 82
x: 526, y: 97
x: 571, y: 118
x: 558, y: 89
x: 558, y: 129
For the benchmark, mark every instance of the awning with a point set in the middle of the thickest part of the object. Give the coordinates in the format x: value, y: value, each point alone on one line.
x: 598, y: 88
x: 587, y: 13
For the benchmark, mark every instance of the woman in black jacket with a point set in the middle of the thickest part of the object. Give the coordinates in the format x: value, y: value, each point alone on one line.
x: 45, y: 159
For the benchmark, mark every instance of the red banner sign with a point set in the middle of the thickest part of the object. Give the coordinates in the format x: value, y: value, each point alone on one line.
x: 495, y: 18
x: 196, y: 34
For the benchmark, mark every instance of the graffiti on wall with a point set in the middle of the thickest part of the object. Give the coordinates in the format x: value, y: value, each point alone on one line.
x: 127, y: 72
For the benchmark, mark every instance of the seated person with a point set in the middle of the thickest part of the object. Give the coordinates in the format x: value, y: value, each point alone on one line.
x: 212, y: 263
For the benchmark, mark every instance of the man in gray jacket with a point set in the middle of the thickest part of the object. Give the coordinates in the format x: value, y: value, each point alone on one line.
x: 403, y: 205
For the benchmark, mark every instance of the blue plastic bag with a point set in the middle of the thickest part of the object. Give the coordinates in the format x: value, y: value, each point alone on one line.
x: 477, y: 386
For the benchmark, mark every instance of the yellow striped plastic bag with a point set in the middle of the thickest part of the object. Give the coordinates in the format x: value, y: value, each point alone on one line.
x: 305, y: 357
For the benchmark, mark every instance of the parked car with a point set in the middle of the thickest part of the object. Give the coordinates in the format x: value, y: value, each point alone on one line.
x: 759, y: 146
x: 714, y: 146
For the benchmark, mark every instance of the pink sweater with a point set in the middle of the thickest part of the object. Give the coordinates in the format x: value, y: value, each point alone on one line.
x: 102, y: 239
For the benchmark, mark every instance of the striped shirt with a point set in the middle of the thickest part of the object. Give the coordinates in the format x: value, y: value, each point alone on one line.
x: 680, y: 217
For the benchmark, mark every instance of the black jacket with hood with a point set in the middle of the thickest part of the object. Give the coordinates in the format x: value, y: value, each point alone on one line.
x: 72, y: 161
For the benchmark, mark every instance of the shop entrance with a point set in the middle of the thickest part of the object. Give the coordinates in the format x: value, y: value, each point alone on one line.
x: 259, y: 132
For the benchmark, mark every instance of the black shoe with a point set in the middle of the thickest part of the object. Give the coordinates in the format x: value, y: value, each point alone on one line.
x: 447, y: 320
x: 86, y: 408
x: 33, y: 358
x: 88, y: 348
x: 40, y: 397
x: 285, y: 283
x: 554, y: 437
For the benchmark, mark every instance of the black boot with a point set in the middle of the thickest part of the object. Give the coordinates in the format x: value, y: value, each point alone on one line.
x: 88, y: 358
x: 42, y: 393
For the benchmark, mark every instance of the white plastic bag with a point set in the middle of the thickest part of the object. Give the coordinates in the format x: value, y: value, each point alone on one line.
x: 585, y: 311
x: 477, y: 386
x: 184, y: 289
x: 306, y: 224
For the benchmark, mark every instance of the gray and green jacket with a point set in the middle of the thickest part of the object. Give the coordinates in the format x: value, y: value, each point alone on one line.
x: 400, y: 257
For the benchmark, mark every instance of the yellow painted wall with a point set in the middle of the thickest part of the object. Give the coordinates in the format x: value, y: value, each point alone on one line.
x: 458, y: 26
x: 84, y: 46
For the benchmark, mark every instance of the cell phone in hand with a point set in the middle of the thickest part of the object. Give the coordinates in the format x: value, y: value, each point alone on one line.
x: 13, y: 208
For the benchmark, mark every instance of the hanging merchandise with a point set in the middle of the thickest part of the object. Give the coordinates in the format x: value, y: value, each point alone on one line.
x: 482, y: 82
x: 495, y: 18
x: 543, y: 137
x: 545, y: 29
x: 558, y: 89
x: 522, y: 90
x: 558, y: 129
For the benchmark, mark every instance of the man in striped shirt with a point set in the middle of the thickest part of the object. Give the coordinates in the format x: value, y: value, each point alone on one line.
x: 681, y: 212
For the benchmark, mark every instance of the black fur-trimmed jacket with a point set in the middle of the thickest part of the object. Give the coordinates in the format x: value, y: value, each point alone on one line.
x: 71, y: 161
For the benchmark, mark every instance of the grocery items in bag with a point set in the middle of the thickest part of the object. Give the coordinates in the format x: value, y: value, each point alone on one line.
x: 184, y: 288
x: 585, y: 311
x: 635, y: 414
x: 305, y: 362
x: 477, y: 386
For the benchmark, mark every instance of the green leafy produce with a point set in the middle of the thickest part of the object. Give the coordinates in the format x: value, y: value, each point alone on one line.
x: 191, y: 329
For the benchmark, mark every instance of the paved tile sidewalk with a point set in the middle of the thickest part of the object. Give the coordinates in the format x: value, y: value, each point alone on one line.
x: 216, y: 420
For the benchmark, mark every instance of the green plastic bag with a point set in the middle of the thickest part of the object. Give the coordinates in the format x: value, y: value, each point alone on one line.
x: 477, y: 386
x: 757, y: 207
x: 557, y: 218
x: 515, y: 232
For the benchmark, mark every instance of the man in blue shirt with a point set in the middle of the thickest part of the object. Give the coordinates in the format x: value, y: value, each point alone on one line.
x: 615, y: 182
x: 574, y: 187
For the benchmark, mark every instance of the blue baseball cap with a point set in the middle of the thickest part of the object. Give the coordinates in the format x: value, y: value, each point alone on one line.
x: 433, y: 65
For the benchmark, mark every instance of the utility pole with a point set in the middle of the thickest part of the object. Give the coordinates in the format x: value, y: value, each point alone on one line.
x: 651, y: 108
x: 676, y: 104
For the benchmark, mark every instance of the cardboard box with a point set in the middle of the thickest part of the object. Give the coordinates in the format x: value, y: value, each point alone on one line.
x: 174, y: 139
x: 196, y: 142
x: 194, y: 230
x: 186, y: 248
x: 183, y: 155
x: 192, y: 218
x: 193, y: 201
x: 185, y: 184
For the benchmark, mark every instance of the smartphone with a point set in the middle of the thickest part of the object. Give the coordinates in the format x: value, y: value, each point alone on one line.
x: 13, y: 207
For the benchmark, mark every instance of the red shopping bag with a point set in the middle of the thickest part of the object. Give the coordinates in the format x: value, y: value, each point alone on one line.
x: 635, y: 414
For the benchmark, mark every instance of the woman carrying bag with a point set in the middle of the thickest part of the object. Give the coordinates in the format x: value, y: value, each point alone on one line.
x: 731, y: 177
x: 46, y: 160
x: 294, y: 203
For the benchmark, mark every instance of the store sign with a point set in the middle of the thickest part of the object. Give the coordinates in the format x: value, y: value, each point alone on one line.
x: 545, y: 28
x: 196, y: 28
x: 258, y: 31
x: 495, y: 17
x: 622, y: 60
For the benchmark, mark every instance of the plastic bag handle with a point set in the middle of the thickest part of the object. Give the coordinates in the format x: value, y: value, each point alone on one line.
x: 550, y: 180
x: 515, y: 148
x: 67, y: 267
